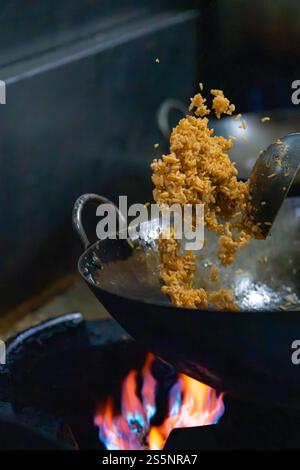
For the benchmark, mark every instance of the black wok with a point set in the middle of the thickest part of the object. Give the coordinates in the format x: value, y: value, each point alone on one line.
x: 247, y: 354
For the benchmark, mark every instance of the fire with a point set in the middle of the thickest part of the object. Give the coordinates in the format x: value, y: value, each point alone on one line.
x: 190, y: 403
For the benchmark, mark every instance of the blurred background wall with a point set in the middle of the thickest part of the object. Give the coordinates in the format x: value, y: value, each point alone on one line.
x: 255, y: 47
x: 83, y: 92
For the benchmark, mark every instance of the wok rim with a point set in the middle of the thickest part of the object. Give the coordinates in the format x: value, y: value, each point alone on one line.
x: 161, y: 304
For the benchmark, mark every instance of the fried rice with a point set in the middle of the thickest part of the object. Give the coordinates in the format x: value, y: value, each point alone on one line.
x: 198, y: 170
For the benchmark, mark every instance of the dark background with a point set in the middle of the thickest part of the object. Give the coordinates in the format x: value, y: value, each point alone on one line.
x: 255, y: 44
x: 83, y: 92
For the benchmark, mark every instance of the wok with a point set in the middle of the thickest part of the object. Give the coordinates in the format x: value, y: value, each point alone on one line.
x: 247, y: 354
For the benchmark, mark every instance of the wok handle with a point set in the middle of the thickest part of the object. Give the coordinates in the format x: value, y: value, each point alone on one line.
x: 163, y: 115
x: 78, y: 210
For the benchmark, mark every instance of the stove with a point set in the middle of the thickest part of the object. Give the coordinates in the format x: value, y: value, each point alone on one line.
x: 59, y: 372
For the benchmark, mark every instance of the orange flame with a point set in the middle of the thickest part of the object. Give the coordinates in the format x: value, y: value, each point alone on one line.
x: 191, y: 403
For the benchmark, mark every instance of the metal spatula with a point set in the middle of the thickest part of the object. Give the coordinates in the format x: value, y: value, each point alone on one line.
x: 271, y: 179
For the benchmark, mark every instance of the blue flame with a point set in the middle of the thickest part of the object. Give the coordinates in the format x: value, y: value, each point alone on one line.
x: 135, y: 419
x: 175, y: 399
x: 150, y: 411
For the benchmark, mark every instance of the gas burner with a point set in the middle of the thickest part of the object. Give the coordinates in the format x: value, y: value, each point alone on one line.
x: 62, y: 388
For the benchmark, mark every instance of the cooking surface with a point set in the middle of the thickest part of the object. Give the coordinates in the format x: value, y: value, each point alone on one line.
x: 265, y: 275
